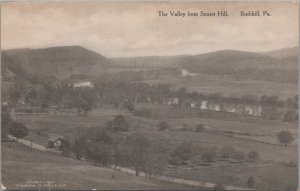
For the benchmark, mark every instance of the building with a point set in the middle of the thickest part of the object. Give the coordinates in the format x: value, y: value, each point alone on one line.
x: 55, y: 141
x: 83, y: 84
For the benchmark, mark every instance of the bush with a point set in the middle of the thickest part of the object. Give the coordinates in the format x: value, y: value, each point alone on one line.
x: 219, y: 187
x: 163, y: 126
x: 199, y: 128
x: 18, y: 130
x: 285, y: 137
x: 119, y: 123
x: 291, y: 164
x: 183, y: 152
x: 209, y: 154
x: 6, y: 121
x: 143, y: 112
x: 227, y: 152
x: 175, y: 161
x: 239, y: 155
x: 252, y: 155
x: 129, y: 106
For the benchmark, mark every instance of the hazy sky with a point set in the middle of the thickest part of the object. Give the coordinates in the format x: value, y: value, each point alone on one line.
x: 116, y: 29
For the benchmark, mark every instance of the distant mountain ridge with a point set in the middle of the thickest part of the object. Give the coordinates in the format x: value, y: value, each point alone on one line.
x: 278, y: 65
x: 57, y: 61
x: 283, y: 53
x: 62, y: 62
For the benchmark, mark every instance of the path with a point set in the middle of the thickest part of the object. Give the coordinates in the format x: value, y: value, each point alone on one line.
x: 32, y: 145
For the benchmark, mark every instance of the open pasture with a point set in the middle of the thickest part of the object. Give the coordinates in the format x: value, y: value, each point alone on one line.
x: 21, y: 166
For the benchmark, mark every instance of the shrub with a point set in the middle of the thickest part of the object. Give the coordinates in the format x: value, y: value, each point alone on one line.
x: 209, y: 154
x: 227, y: 152
x: 291, y: 164
x: 252, y: 155
x: 129, y: 106
x: 239, y: 155
x: 143, y: 112
x: 219, y: 187
x: 199, y: 128
x: 119, y: 123
x: 183, y: 152
x: 18, y: 130
x: 285, y: 137
x: 163, y: 126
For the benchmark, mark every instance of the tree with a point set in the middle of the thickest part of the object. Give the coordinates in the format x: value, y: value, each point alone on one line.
x: 78, y: 147
x: 209, y: 154
x: 129, y: 106
x: 219, y: 187
x: 119, y: 123
x: 290, y: 115
x: 227, y: 151
x: 285, y: 137
x: 239, y: 155
x: 250, y: 182
x: 156, y: 159
x: 5, y: 122
x: 199, y: 128
x: 182, y: 153
x: 100, y: 135
x: 163, y: 126
x: 99, y: 152
x: 252, y: 155
x: 138, y: 145
x: 120, y: 155
x: 18, y: 130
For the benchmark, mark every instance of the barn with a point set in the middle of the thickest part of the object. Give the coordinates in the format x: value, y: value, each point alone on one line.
x: 55, y: 141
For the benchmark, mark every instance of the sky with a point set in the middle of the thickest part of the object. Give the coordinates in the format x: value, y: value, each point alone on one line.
x: 123, y: 29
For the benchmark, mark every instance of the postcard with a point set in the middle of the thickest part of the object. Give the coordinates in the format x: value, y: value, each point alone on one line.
x: 149, y: 95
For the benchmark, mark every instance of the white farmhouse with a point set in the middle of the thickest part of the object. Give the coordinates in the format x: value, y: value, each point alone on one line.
x: 83, y: 84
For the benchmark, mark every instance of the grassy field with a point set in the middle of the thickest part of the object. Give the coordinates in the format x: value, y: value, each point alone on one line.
x: 261, y: 133
x: 228, y: 87
x: 268, y: 176
x: 260, y: 136
x: 22, y: 166
x: 66, y: 125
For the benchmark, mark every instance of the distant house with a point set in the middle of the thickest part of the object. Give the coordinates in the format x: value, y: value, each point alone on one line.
x: 83, y: 84
x: 21, y: 101
x: 173, y: 101
x: 55, y: 141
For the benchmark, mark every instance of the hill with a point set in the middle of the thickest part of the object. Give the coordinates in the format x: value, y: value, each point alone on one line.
x: 241, y: 65
x: 283, y: 53
x: 22, y: 166
x: 150, y: 61
x: 57, y: 61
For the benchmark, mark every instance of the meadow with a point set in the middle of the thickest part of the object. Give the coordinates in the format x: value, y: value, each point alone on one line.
x: 230, y: 87
x: 243, y: 133
x: 24, y: 168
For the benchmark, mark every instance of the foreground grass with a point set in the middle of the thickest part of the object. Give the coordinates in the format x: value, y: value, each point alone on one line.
x: 267, y: 176
x: 22, y: 166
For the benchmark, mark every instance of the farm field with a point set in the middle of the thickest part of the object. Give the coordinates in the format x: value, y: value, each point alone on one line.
x: 261, y: 137
x: 260, y: 133
x: 228, y: 87
x: 22, y: 166
x: 270, y: 176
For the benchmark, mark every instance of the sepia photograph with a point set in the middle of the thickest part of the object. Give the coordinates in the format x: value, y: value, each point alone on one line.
x: 149, y: 95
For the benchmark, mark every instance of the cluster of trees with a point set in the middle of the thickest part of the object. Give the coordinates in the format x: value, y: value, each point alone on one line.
x: 102, y: 145
x: 9, y: 126
x: 43, y: 91
x: 210, y: 154
x: 285, y: 137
